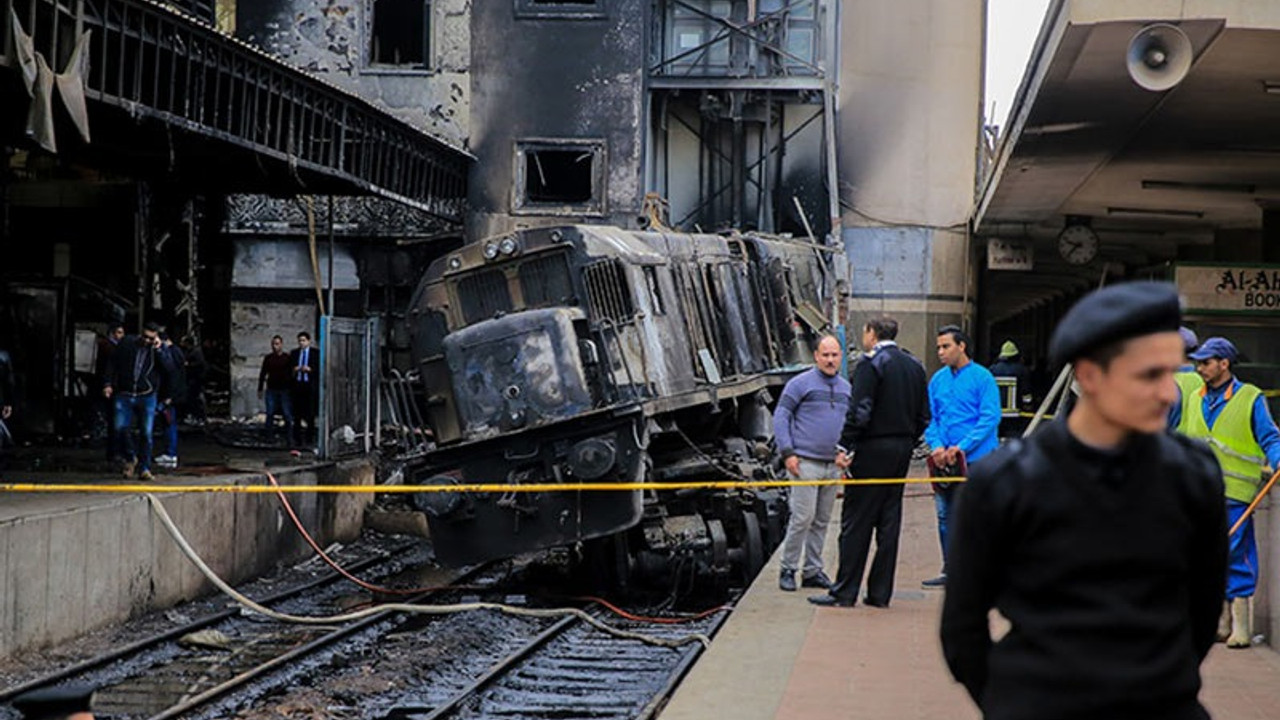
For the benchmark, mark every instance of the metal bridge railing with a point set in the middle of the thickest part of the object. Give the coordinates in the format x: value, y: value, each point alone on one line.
x: 153, y: 61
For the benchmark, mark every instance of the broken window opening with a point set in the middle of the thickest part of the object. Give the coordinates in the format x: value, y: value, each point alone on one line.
x: 558, y: 176
x: 401, y: 32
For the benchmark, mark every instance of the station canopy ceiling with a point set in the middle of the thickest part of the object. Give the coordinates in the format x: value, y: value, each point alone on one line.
x: 1148, y: 170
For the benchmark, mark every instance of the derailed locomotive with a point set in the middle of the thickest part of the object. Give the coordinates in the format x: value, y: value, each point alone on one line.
x: 596, y: 354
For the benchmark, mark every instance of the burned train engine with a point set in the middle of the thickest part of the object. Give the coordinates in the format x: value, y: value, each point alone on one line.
x: 595, y: 354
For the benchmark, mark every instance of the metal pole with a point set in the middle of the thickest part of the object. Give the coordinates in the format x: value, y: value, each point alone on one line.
x: 331, y: 310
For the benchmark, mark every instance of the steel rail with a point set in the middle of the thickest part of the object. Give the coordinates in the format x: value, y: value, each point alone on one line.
x: 301, y: 651
x: 500, y: 669
x: 198, y: 624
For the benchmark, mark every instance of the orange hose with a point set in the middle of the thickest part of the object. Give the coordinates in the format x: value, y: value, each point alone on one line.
x: 341, y: 571
x: 654, y: 620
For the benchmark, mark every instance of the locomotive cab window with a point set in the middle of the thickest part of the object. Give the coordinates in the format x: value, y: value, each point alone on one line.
x: 400, y: 34
x: 560, y: 178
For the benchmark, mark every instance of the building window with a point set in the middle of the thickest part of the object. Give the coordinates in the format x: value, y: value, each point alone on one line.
x: 566, y: 9
x: 560, y: 177
x: 401, y: 33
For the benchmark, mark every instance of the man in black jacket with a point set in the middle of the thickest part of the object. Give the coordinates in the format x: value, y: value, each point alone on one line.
x: 305, y: 363
x: 139, y: 383
x: 1102, y: 538
x: 8, y: 387
x: 888, y: 411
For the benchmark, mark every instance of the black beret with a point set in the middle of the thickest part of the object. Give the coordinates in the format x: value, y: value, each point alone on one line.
x: 54, y: 702
x: 1112, y: 314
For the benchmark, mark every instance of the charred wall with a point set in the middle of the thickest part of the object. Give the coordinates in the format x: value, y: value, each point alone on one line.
x: 346, y: 43
x: 556, y: 87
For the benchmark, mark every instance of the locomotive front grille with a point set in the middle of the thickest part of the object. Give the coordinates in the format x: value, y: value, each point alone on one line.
x: 483, y: 295
x: 607, y: 293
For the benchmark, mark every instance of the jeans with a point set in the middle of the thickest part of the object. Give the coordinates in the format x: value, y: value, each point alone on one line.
x: 170, y: 415
x: 129, y: 408
x: 943, y: 499
x: 279, y: 403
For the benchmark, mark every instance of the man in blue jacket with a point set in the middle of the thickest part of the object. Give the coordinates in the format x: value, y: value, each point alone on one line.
x: 964, y: 404
x: 138, y: 383
x: 806, y: 425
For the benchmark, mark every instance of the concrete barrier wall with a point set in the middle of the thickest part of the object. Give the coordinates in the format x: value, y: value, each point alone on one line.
x: 69, y: 571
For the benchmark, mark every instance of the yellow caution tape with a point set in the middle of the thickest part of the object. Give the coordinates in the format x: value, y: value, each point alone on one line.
x: 465, y: 487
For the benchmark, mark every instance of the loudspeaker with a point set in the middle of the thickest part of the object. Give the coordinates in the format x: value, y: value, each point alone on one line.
x: 1159, y: 56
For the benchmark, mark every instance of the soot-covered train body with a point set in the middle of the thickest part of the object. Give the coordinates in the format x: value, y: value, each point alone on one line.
x: 596, y: 354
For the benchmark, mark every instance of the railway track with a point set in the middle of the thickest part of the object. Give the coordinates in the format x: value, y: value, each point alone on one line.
x: 162, y: 676
x: 571, y: 670
x: 476, y: 662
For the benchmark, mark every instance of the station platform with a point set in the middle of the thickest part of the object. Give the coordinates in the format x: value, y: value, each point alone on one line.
x: 780, y: 658
x: 72, y: 562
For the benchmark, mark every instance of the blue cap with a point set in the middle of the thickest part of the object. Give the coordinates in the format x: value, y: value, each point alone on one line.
x: 1189, y: 340
x: 1215, y: 347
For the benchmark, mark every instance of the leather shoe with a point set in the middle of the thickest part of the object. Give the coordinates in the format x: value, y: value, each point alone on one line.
x: 787, y: 582
x: 940, y: 581
x: 816, y: 580
x: 874, y: 603
x: 829, y: 601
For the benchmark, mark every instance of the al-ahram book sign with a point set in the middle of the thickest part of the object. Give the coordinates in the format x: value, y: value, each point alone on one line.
x: 1235, y: 289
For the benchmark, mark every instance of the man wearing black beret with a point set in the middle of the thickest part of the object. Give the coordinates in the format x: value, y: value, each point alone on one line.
x: 65, y: 702
x: 1101, y: 538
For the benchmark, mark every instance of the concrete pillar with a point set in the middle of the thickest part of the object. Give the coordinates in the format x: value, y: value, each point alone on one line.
x: 910, y: 95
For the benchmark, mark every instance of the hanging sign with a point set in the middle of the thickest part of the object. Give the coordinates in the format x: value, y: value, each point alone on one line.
x: 1235, y: 289
x: 1009, y: 255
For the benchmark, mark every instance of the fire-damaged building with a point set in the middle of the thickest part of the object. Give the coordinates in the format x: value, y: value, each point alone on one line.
x: 239, y: 169
x: 141, y: 140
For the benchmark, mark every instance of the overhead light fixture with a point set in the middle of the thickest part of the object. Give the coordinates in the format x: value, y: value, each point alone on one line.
x: 1166, y: 212
x: 1056, y: 128
x: 1244, y: 188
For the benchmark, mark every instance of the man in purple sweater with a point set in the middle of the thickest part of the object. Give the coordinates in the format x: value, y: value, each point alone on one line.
x: 807, y: 425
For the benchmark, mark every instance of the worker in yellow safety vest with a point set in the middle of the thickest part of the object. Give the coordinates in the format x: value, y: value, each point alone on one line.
x: 1189, y: 381
x: 1232, y: 416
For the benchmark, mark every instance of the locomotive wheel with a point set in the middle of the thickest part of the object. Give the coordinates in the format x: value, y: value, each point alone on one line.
x: 752, y: 546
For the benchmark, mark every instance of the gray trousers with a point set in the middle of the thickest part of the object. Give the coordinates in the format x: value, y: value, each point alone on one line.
x: 810, y: 513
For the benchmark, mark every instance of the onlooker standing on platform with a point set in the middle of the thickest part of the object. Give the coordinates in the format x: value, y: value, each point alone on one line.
x: 806, y: 425
x: 1009, y: 364
x: 888, y: 410
x: 8, y: 390
x: 138, y: 382
x: 964, y: 403
x: 106, y: 346
x: 305, y: 363
x: 174, y: 363
x: 1100, y: 538
x: 193, y: 411
x: 275, y: 379
x: 1233, y: 417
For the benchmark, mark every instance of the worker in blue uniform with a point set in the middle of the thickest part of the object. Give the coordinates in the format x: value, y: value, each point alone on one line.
x: 1232, y: 416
